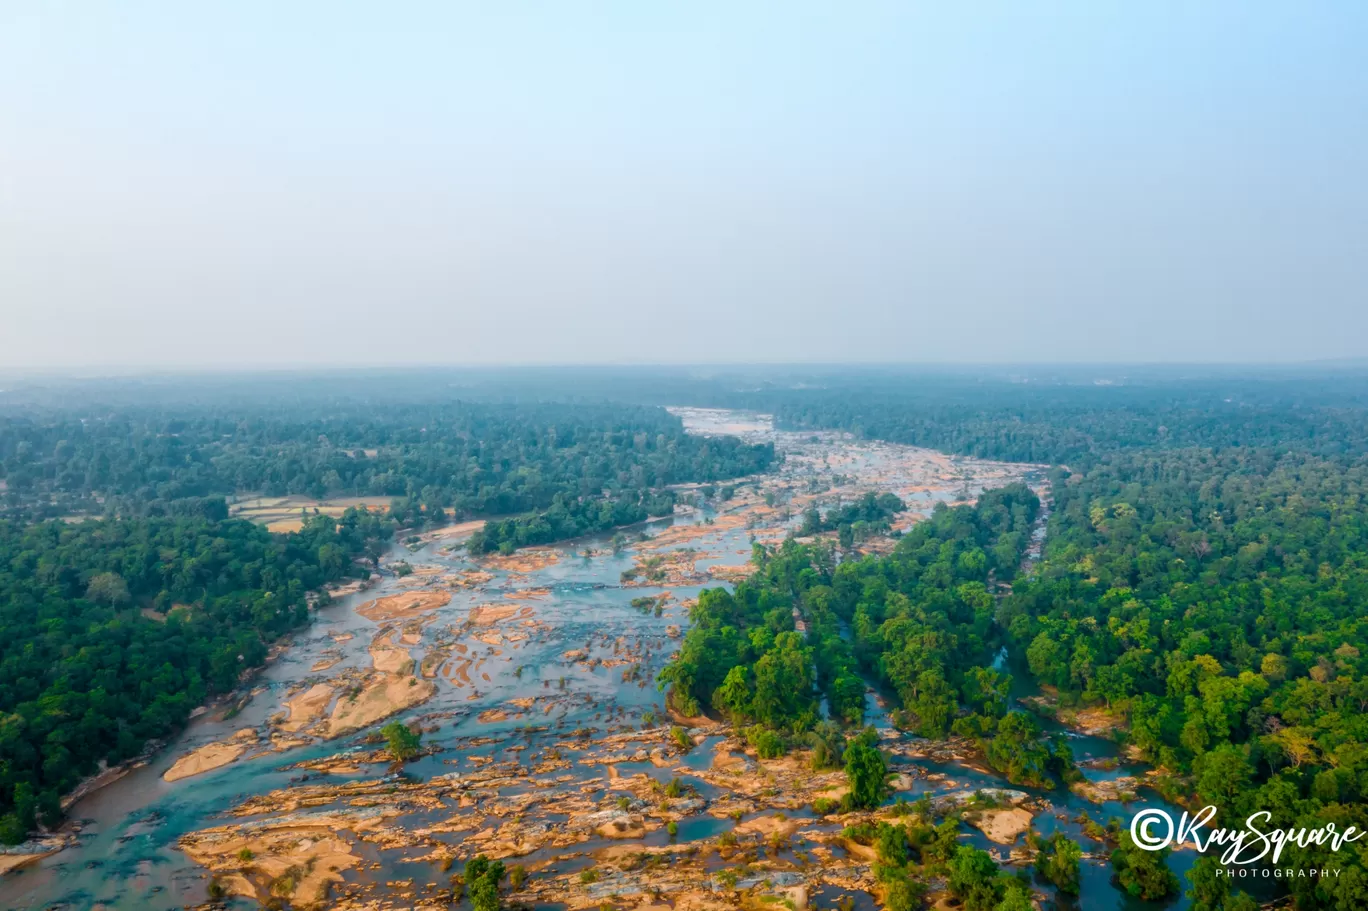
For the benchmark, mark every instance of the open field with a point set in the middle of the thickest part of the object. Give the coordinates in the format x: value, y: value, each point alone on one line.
x: 288, y: 513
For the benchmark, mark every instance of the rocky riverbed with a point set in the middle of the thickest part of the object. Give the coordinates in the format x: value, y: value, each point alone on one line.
x: 545, y: 740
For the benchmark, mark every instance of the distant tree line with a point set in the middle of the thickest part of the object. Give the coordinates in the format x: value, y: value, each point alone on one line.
x: 459, y: 458
x: 570, y: 520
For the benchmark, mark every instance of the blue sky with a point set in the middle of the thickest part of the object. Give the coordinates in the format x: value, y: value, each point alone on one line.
x: 291, y: 184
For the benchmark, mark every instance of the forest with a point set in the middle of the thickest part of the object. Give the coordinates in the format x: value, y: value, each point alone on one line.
x: 1214, y: 600
x: 1202, y: 580
x: 468, y: 459
x: 921, y: 621
x: 114, y: 630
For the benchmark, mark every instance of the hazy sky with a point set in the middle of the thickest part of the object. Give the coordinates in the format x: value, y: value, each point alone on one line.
x: 266, y: 183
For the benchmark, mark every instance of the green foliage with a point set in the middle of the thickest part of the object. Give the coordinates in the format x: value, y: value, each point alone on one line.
x: 401, y: 741
x: 828, y: 746
x: 974, y: 879
x: 1070, y: 421
x: 869, y: 515
x: 570, y: 518
x: 1016, y: 896
x: 1211, y: 888
x: 1016, y: 751
x: 115, y: 630
x: 866, y: 771
x: 1057, y: 860
x: 1143, y: 874
x: 482, y: 877
x: 742, y: 657
x: 825, y: 806
x: 938, y: 845
x: 891, y: 843
x: 766, y: 743
x: 433, y: 456
x: 901, y: 892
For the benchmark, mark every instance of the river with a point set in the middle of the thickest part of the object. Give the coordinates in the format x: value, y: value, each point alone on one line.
x: 534, y: 666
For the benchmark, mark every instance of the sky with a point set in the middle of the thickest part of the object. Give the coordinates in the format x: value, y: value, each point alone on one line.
x: 264, y: 184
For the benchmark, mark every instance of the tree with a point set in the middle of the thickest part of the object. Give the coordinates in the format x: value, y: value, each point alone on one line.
x: 1223, y: 776
x: 987, y: 691
x: 866, y: 771
x: 1143, y: 874
x: 482, y: 878
x: 108, y: 589
x: 1211, y: 891
x: 1016, y: 897
x: 828, y: 746
x: 401, y: 740
x: 974, y: 879
x: 901, y: 892
x: 1058, y: 861
x: 1209, y: 887
x: 891, y: 844
x: 734, y: 695
x: 1017, y: 752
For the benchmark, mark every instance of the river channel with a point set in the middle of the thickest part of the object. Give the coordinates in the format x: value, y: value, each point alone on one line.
x: 546, y: 739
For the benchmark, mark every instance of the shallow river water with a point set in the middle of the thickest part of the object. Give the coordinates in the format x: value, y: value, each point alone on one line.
x: 531, y: 664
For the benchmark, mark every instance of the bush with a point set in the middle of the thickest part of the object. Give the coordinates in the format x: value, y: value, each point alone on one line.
x: 828, y: 746
x: 766, y: 743
x: 825, y: 806
x: 402, y: 742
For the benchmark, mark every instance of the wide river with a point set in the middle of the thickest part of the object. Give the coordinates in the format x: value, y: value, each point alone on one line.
x: 531, y: 676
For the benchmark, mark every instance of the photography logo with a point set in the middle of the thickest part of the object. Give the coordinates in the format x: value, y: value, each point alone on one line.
x: 1154, y: 829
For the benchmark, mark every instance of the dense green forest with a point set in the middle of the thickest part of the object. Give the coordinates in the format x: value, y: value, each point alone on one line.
x: 1063, y: 424
x: 1216, y: 600
x: 470, y: 459
x: 921, y: 623
x: 115, y: 630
